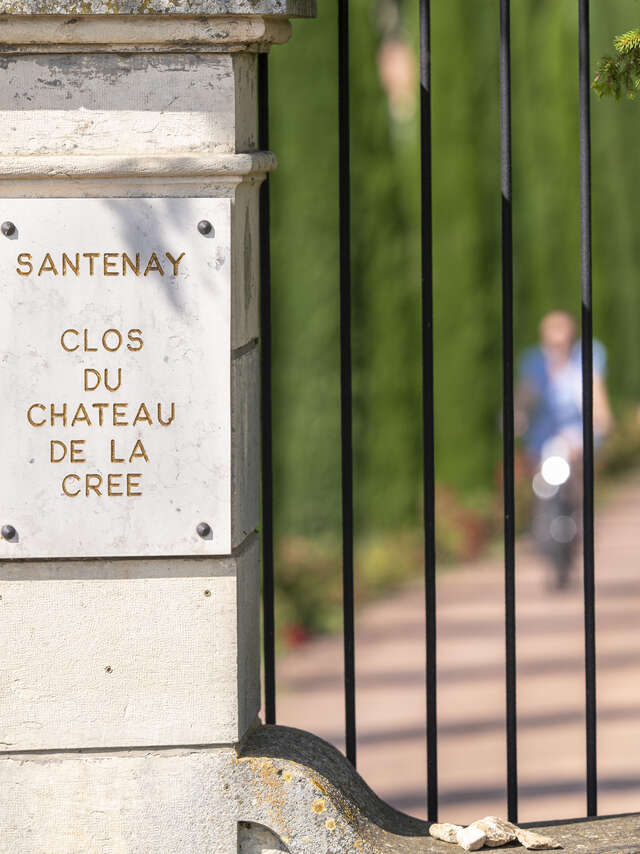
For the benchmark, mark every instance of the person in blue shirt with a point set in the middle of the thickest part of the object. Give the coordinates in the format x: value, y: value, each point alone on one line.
x: 549, y: 417
x: 549, y: 395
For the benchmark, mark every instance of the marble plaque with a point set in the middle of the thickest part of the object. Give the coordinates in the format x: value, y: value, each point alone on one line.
x: 115, y: 435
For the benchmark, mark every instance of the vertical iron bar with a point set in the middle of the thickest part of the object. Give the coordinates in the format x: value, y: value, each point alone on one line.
x: 587, y: 408
x: 427, y: 406
x: 268, y: 600
x: 508, y: 407
x: 344, y: 177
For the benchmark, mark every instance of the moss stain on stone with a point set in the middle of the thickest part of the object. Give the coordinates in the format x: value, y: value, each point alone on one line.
x: 319, y: 785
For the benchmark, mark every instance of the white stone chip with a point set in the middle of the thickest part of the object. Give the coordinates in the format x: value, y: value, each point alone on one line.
x: 534, y: 841
x: 471, y: 838
x: 497, y: 830
x: 491, y: 831
x: 445, y: 832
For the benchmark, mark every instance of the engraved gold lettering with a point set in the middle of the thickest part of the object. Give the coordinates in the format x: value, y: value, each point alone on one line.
x: 114, y: 480
x: 81, y: 415
x: 64, y: 485
x: 47, y: 266
x: 24, y: 260
x: 154, y: 265
x: 101, y: 408
x: 173, y: 415
x: 91, y: 256
x: 106, y: 380
x: 135, y: 337
x: 92, y: 483
x: 30, y: 416
x: 57, y: 451
x: 138, y: 451
x: 131, y: 484
x: 109, y: 266
x: 115, y: 459
x: 67, y: 262
x: 93, y: 378
x: 127, y: 261
x: 53, y: 414
x: 97, y: 263
x: 142, y: 415
x: 88, y: 349
x: 88, y: 373
x: 62, y: 337
x: 117, y: 414
x: 175, y: 262
x: 76, y: 451
x: 104, y: 340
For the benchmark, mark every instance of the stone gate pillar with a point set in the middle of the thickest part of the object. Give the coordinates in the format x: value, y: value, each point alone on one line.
x: 129, y: 451
x: 129, y: 584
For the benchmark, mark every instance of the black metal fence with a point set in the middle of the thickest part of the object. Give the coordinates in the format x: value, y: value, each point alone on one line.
x: 428, y: 404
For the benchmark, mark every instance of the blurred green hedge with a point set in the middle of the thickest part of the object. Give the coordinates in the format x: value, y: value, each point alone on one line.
x: 386, y: 275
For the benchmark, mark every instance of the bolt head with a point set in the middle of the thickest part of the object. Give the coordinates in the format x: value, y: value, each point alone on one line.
x: 8, y: 228
x: 204, y: 226
x: 204, y: 530
x: 8, y: 533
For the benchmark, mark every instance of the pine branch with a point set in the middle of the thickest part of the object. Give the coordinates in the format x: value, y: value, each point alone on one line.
x: 627, y: 42
x: 620, y: 74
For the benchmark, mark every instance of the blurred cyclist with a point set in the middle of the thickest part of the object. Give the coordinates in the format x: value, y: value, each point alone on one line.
x: 549, y: 415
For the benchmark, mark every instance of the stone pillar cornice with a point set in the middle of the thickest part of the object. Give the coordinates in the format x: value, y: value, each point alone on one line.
x: 100, y: 99
x: 166, y: 33
x: 181, y: 26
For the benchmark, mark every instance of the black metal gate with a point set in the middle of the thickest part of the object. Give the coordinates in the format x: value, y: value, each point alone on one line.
x: 428, y: 404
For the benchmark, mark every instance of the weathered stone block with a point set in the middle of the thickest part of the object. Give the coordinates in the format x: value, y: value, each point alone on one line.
x: 80, y: 103
x: 137, y: 803
x: 245, y: 443
x: 121, y: 653
x: 245, y: 247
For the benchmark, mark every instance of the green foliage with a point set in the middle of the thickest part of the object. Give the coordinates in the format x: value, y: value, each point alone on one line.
x: 385, y: 287
x: 386, y: 233
x: 628, y: 42
x: 621, y: 452
x: 620, y: 74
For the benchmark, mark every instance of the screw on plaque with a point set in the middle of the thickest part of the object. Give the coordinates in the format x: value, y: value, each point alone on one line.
x: 9, y: 533
x: 205, y: 227
x: 8, y: 228
x: 204, y: 530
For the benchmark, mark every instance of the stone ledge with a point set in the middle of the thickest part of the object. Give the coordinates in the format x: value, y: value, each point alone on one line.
x: 95, y: 33
x: 278, y: 8
x: 309, y: 795
x: 69, y: 166
x: 281, y: 789
x: 609, y: 835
